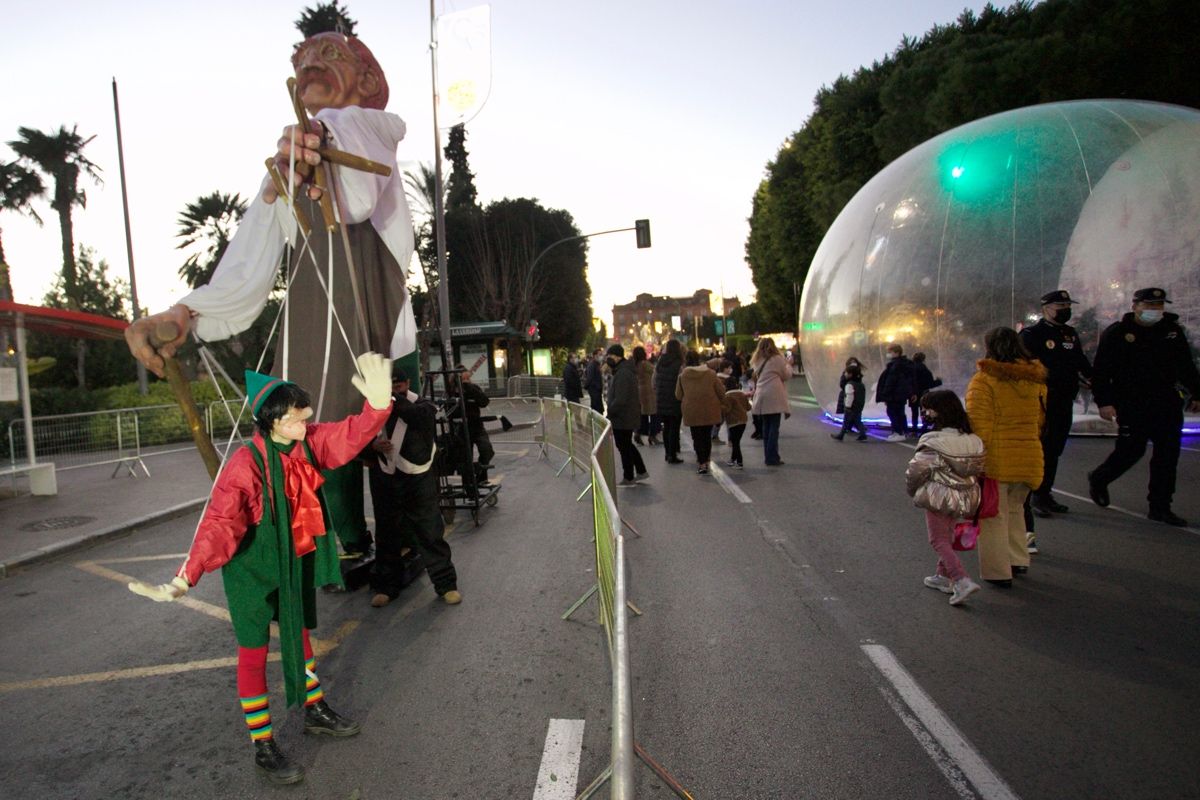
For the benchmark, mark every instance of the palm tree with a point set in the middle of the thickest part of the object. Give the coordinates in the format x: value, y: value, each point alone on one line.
x: 208, y: 222
x: 60, y: 156
x: 18, y: 188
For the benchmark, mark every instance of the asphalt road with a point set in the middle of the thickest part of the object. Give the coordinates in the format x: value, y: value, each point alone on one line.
x: 787, y: 649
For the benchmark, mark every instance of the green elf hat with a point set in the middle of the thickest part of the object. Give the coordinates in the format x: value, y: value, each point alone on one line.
x: 259, y: 387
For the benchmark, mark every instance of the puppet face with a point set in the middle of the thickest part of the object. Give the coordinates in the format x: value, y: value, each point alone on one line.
x: 292, y: 426
x: 329, y: 74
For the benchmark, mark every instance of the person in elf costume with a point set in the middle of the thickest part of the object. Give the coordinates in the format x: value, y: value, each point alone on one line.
x: 265, y: 529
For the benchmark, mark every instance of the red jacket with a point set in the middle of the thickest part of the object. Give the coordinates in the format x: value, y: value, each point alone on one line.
x: 236, y: 502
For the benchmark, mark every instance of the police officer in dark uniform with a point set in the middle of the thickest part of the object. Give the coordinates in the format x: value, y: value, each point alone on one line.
x: 1056, y: 344
x: 1140, y: 362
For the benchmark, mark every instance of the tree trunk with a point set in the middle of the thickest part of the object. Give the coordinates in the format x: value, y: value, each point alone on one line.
x: 80, y: 359
x: 5, y: 294
x: 62, y: 204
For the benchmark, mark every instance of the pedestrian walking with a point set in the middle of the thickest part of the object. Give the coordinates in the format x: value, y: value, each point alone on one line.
x: 624, y: 411
x: 897, y: 388
x: 737, y: 407
x: 924, y: 381
x: 853, y: 399
x: 771, y: 374
x: 572, y: 381
x: 593, y: 380
x: 645, y: 379
x: 1139, y: 363
x: 943, y: 478
x: 1056, y: 344
x: 702, y: 397
x: 666, y: 377
x: 1005, y: 399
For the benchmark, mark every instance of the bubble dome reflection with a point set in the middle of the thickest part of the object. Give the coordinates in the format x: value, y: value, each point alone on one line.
x: 966, y: 231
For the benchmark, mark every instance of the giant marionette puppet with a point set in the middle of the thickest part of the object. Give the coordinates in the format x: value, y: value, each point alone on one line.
x: 265, y: 528
x: 346, y: 290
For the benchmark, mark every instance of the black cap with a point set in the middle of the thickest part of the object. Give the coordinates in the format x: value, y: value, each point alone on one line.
x: 398, y: 373
x: 1150, y: 295
x: 616, y: 350
x: 1057, y: 296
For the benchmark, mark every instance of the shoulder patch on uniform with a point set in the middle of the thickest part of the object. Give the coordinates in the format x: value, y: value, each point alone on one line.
x: 1129, y: 337
x: 1049, y: 344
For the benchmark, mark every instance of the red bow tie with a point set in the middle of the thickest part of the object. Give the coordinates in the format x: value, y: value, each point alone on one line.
x: 301, y: 481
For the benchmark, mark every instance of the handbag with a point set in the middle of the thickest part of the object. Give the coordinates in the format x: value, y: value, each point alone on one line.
x: 965, y: 535
x: 989, y: 498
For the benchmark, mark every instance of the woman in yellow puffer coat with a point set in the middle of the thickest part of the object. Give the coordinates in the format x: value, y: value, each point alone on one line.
x: 1006, y: 403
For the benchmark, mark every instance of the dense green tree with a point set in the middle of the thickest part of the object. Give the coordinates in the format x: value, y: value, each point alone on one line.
x: 86, y: 363
x: 19, y: 187
x: 981, y: 64
x: 60, y: 156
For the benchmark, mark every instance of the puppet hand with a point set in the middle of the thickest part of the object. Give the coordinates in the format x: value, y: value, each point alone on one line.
x: 374, y: 379
x: 1108, y: 413
x: 305, y: 155
x: 164, y: 592
x: 150, y: 338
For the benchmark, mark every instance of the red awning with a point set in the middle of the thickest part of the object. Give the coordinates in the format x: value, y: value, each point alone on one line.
x: 73, y: 324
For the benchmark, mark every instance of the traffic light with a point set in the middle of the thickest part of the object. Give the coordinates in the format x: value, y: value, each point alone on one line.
x: 531, y: 331
x: 641, y: 229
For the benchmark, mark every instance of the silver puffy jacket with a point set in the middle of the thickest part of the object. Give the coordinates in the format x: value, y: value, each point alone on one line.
x: 944, y: 474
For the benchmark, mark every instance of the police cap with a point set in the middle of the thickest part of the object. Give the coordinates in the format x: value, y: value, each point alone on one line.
x: 1150, y: 295
x: 1057, y: 296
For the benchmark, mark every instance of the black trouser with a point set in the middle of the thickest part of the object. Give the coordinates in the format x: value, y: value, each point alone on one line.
x: 851, y: 420
x: 407, y: 515
x: 756, y: 420
x: 702, y: 442
x: 1060, y: 408
x: 480, y: 438
x: 631, y: 459
x: 896, y: 412
x: 670, y: 427
x: 915, y: 409
x: 1160, y: 424
x: 597, y: 398
x: 735, y: 442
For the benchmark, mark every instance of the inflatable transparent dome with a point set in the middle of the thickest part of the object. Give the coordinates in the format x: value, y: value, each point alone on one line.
x: 968, y: 230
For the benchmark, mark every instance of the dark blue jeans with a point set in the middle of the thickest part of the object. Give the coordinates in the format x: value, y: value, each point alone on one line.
x: 770, y: 434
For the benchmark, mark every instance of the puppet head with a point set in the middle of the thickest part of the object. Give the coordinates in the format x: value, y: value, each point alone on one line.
x: 335, y: 71
x: 281, y: 409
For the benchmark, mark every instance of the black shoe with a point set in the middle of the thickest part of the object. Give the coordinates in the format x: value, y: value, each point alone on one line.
x: 862, y: 437
x: 1041, y: 505
x: 320, y: 718
x: 837, y: 436
x: 277, y: 767
x: 1002, y: 583
x: 637, y: 439
x: 1019, y: 570
x: 1168, y: 517
x: 1098, y: 491
x: 674, y: 460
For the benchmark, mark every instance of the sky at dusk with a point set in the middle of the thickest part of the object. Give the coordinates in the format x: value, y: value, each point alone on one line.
x: 613, y: 111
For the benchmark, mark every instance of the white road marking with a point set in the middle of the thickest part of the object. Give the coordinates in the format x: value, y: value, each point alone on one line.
x: 1118, y: 509
x: 727, y: 483
x: 559, y: 772
x: 953, y: 754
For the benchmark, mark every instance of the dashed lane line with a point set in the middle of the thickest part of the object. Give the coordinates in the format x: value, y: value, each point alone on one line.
x: 962, y: 756
x: 727, y: 483
x: 558, y: 774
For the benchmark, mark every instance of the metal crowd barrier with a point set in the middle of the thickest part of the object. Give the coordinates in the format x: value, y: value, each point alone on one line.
x: 534, y: 386
x: 122, y: 437
x: 586, y: 439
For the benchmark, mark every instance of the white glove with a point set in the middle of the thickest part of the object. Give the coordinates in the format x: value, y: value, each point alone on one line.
x: 376, y: 381
x: 164, y: 592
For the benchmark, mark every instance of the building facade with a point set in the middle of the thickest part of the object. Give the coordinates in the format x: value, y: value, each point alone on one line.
x: 651, y: 319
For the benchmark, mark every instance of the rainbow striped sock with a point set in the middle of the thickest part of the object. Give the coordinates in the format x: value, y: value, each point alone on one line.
x: 312, y: 685
x: 258, y: 717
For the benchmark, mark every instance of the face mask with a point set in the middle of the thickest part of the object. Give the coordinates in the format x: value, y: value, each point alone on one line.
x: 1150, y: 316
x: 891, y: 356
x: 1062, y: 315
x: 929, y: 419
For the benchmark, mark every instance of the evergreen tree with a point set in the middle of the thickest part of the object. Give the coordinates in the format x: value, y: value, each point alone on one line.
x: 325, y: 18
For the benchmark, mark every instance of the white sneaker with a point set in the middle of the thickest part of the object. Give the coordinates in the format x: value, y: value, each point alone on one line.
x: 963, y: 589
x: 1031, y: 543
x: 940, y: 582
x: 896, y: 437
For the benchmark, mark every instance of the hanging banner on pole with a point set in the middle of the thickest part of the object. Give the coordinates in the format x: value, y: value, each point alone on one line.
x: 464, y: 64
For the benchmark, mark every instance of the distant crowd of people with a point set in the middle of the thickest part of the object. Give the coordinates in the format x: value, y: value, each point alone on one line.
x: 650, y: 398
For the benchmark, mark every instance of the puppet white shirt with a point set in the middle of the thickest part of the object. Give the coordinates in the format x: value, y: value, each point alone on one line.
x: 243, y: 279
